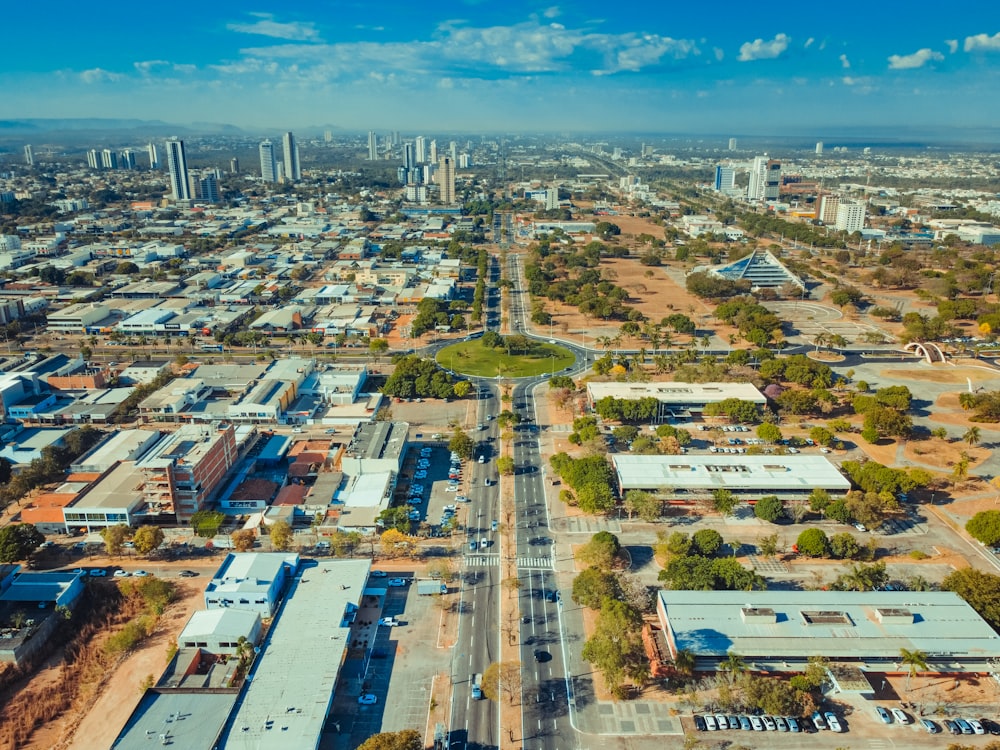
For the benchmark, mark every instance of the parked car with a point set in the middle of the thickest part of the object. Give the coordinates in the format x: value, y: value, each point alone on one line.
x: 818, y: 720
x: 699, y: 723
x: 756, y: 723
x: 780, y: 723
x: 952, y: 727
x: 388, y: 622
x: 990, y: 726
x: 396, y: 582
x: 793, y: 724
x: 140, y: 574
x: 769, y: 724
x: 833, y: 722
x: 187, y: 574
x: 901, y: 716
x: 930, y: 726
x: 121, y: 574
x: 977, y: 728
x: 378, y: 574
x: 710, y: 723
x: 722, y: 721
x: 367, y: 699
x: 883, y: 714
x: 98, y: 572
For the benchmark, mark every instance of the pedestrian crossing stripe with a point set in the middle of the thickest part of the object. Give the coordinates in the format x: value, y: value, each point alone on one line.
x: 534, y: 562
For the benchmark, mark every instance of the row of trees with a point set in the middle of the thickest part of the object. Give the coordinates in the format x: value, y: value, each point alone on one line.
x: 692, y: 563
x: 415, y: 376
x: 591, y: 480
x: 50, y: 467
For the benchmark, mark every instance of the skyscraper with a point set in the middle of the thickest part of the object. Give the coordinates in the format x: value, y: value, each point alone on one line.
x: 293, y: 173
x: 732, y: 144
x: 372, y: 146
x: 205, y: 187
x: 421, y: 149
x: 850, y: 216
x: 109, y: 159
x: 177, y: 166
x: 127, y: 160
x: 93, y: 159
x: 453, y: 150
x: 408, y: 160
x: 725, y: 178
x: 446, y: 179
x: 154, y: 160
x: 29, y: 156
x: 434, y: 152
x: 765, y: 179
x: 268, y: 167
x: 819, y: 148
x: 234, y: 165
x: 328, y: 136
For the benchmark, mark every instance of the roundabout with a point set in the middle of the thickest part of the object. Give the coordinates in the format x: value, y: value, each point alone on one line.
x: 475, y: 359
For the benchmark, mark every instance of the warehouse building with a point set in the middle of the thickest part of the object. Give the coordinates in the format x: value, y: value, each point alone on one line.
x: 676, y: 399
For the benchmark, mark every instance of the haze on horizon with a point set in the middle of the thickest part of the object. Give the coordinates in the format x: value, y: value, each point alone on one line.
x: 526, y: 66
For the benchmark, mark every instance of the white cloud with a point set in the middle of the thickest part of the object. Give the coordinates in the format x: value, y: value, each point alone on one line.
x: 148, y: 66
x: 719, y: 53
x: 759, y: 49
x: 952, y: 45
x: 99, y: 75
x: 844, y: 62
x: 297, y: 31
x: 185, y: 68
x: 917, y: 60
x: 553, y: 12
x: 982, y: 43
x: 808, y: 43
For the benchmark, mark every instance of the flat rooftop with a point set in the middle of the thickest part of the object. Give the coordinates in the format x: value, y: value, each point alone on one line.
x: 250, y: 571
x: 190, y: 444
x: 841, y: 625
x: 290, y: 690
x: 764, y: 474
x: 189, y: 719
x: 379, y: 440
x: 122, y: 488
x: 681, y: 394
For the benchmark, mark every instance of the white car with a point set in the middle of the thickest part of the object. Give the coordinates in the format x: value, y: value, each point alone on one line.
x: 451, y: 488
x: 977, y: 727
x: 833, y: 722
x: 484, y: 543
x: 367, y: 699
x: 901, y: 716
x: 140, y: 574
x: 482, y: 459
x: 121, y: 574
x: 451, y: 508
x: 462, y: 499
x: 397, y: 582
x: 388, y: 622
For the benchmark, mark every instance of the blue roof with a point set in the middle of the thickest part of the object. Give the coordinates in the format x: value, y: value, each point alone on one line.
x: 276, y: 448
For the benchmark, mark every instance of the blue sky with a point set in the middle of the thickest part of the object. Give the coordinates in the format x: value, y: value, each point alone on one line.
x: 740, y: 68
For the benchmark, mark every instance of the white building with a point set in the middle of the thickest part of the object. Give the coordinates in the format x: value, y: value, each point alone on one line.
x: 293, y: 172
x: 252, y: 581
x: 218, y: 631
x: 180, y: 188
x: 268, y: 166
x: 850, y: 216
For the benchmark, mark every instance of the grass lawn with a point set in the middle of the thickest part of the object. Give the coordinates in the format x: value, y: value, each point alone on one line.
x: 472, y: 358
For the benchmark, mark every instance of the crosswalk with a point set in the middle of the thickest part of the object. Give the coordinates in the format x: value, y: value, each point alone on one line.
x: 543, y: 562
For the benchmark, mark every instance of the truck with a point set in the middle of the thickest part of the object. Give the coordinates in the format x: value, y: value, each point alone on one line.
x: 477, y: 687
x: 430, y: 587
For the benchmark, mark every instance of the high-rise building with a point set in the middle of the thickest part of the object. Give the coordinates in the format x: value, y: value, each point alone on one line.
x: 446, y: 179
x: 464, y: 161
x: 819, y: 148
x: 828, y: 206
x: 177, y: 166
x: 453, y: 151
x: 154, y: 159
x: 372, y: 146
x: 29, y: 156
x: 725, y: 178
x: 732, y: 144
x: 93, y: 159
x: 109, y: 159
x: 268, y: 166
x: 765, y: 179
x: 127, y: 160
x: 408, y: 156
x: 420, y: 145
x: 205, y: 187
x: 434, y: 153
x: 279, y: 167
x: 234, y: 166
x: 395, y: 138
x: 293, y: 172
x: 328, y: 136
x: 850, y: 216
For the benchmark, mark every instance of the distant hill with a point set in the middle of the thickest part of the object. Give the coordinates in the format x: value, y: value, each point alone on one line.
x: 104, y: 125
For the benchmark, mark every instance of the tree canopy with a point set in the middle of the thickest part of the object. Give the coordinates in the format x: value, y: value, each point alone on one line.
x: 18, y: 541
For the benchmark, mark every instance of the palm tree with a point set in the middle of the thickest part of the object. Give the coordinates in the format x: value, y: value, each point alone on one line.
x: 966, y: 400
x: 733, y: 664
x: 915, y: 660
x: 972, y: 436
x: 684, y: 662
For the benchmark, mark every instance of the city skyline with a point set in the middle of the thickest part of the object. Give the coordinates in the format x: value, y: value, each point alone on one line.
x: 475, y: 66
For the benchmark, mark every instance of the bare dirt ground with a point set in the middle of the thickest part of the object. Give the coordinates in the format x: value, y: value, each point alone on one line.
x: 942, y: 453
x: 956, y: 375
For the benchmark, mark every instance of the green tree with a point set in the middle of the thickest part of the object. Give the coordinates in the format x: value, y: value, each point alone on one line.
x: 972, y: 436
x: 18, y: 541
x: 915, y: 661
x: 643, y: 504
x: 593, y: 586
x: 378, y: 347
x: 707, y: 542
x: 281, y: 535
x: 461, y: 443
x: 769, y: 433
x: 814, y: 543
x: 505, y: 465
x: 601, y: 551
x: 769, y: 508
x: 985, y: 527
x: 407, y: 739
x: 981, y: 591
x: 243, y: 540
x: 822, y: 436
x: 147, y: 539
x: 844, y: 546
x: 114, y: 538
x: 462, y: 388
x: 724, y: 501
x: 595, y: 498
x: 768, y: 545
x: 206, y: 523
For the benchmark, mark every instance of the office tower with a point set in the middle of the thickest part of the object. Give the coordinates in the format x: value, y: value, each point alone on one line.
x: 421, y: 149
x: 850, y: 216
x: 268, y: 167
x: 732, y: 144
x: 205, y: 187
x: 109, y: 159
x: 434, y: 153
x: 234, y: 166
x: 725, y: 178
x: 29, y: 156
x: 446, y: 179
x: 819, y: 148
x: 279, y: 167
x: 292, y: 169
x: 828, y: 205
x: 403, y: 175
x: 154, y: 159
x: 551, y: 199
x: 372, y: 146
x: 93, y: 159
x: 464, y: 161
x: 453, y: 151
x: 177, y: 166
x: 395, y: 137
x: 127, y: 160
x: 328, y: 136
x: 765, y: 179
x: 408, y: 160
